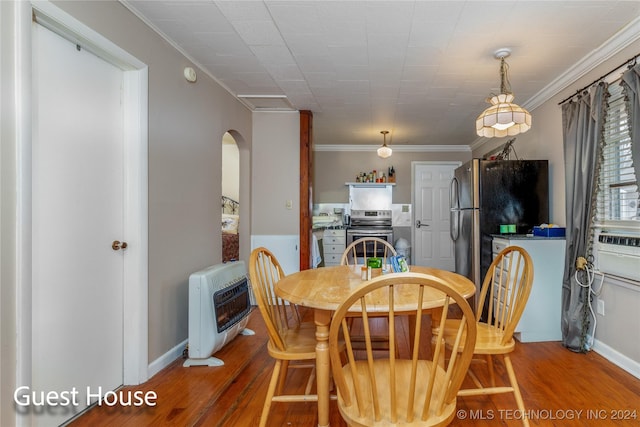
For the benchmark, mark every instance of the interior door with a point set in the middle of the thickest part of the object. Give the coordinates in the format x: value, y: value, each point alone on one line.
x: 77, y: 213
x: 432, y: 241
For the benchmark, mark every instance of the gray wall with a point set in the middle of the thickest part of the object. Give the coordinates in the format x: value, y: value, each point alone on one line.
x: 275, y: 174
x: 544, y: 141
x: 186, y: 126
x: 333, y: 168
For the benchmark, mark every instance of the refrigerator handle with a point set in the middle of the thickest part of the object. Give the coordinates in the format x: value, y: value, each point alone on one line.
x: 454, y: 200
x: 454, y: 210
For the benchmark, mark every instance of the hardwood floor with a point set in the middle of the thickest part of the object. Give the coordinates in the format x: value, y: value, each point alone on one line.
x: 559, y: 387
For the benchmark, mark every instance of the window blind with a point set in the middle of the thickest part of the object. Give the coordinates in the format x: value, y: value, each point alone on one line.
x: 617, y: 186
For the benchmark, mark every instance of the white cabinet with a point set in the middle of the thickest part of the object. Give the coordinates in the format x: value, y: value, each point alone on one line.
x: 334, y: 244
x: 540, y: 320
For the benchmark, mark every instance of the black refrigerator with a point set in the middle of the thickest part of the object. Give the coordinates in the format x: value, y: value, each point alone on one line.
x: 486, y: 194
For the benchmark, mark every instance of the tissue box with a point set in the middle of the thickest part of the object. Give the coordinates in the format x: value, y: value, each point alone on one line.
x: 549, y: 232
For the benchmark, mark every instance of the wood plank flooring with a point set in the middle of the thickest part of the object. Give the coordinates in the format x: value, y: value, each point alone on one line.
x: 559, y: 387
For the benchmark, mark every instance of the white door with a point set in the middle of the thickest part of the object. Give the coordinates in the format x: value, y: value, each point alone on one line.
x: 432, y: 242
x: 77, y: 214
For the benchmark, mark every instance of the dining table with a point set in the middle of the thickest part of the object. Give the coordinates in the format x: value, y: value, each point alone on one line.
x: 323, y: 289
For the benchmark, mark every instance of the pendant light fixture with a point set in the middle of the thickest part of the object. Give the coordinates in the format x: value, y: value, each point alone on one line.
x: 384, y: 151
x: 503, y: 117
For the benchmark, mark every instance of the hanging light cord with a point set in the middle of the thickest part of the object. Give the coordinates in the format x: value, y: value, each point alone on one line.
x: 505, y: 84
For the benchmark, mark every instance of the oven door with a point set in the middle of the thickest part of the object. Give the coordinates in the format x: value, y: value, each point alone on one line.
x: 354, y: 234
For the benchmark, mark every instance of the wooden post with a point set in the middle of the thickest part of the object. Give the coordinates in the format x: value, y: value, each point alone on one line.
x: 306, y: 187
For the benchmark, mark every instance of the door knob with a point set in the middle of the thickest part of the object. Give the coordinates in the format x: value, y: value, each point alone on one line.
x: 420, y: 224
x: 117, y: 245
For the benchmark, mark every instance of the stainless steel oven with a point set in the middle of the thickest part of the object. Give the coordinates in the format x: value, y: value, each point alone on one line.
x: 366, y: 223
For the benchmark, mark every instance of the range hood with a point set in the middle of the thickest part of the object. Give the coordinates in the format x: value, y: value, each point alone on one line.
x: 370, y: 196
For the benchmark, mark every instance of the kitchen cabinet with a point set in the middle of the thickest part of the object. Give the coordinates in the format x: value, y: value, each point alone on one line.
x: 540, y: 320
x: 334, y: 244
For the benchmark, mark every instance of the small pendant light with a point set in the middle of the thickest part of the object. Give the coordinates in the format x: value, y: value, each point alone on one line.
x: 384, y: 151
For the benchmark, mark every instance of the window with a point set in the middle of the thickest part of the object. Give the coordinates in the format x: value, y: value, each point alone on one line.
x: 617, y: 222
x: 617, y: 185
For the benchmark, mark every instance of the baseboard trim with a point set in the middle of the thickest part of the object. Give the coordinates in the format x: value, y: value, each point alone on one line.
x: 166, y: 359
x: 617, y: 358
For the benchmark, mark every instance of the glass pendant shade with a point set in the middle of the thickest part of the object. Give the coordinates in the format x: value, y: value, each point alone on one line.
x: 503, y: 118
x: 384, y: 151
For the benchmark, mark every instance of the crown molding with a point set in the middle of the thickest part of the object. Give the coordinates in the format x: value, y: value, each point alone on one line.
x: 395, y: 148
x: 621, y: 40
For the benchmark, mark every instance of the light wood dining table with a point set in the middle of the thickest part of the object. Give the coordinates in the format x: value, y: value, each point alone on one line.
x: 324, y: 289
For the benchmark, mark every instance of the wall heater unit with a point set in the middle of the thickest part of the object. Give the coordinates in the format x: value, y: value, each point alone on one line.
x: 219, y: 307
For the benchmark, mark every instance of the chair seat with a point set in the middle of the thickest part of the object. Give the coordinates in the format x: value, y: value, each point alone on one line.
x: 352, y: 416
x: 300, y: 343
x: 488, y: 338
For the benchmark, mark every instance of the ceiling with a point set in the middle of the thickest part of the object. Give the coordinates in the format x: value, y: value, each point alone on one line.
x: 420, y: 69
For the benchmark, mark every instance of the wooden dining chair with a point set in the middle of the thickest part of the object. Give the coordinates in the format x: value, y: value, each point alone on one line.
x: 358, y: 251
x: 418, y: 389
x: 506, y: 289
x: 290, y: 339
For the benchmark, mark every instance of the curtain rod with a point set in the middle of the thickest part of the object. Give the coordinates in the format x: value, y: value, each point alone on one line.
x: 631, y: 61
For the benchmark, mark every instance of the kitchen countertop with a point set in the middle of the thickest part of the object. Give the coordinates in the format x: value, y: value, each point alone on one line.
x: 328, y: 227
x: 525, y: 237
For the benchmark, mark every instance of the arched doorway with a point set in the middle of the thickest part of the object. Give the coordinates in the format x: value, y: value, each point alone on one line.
x: 230, y: 198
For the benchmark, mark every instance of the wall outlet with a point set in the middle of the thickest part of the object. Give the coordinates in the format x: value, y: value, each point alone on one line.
x: 600, y: 307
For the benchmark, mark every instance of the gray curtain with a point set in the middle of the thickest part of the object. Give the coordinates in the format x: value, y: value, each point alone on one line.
x: 582, y: 124
x: 631, y: 88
